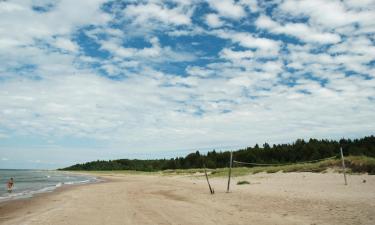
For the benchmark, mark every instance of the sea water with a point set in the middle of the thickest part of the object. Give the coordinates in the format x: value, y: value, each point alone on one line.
x: 30, y: 182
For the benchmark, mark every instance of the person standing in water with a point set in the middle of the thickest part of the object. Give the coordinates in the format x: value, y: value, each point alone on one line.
x: 10, y: 184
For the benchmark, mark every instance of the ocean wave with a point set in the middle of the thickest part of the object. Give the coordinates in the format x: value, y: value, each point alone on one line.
x: 30, y: 193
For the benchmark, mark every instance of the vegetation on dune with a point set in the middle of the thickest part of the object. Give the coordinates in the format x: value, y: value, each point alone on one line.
x: 117, y: 172
x: 355, y: 164
x: 243, y: 182
x: 358, y: 164
x: 360, y: 157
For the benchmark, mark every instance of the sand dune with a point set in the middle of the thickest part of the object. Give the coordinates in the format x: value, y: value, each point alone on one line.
x: 292, y: 198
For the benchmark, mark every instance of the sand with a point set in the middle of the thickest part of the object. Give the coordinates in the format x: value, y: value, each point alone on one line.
x: 290, y: 198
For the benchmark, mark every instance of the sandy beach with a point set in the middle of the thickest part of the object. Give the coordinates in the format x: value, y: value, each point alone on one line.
x: 280, y: 198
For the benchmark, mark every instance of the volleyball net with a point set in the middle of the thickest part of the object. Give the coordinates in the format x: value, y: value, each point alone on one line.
x: 233, y: 162
x: 281, y: 164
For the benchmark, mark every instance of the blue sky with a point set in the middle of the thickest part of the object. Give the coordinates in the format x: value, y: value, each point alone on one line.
x: 96, y: 79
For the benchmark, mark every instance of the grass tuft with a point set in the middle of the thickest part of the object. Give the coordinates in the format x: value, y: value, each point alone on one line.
x: 243, y: 182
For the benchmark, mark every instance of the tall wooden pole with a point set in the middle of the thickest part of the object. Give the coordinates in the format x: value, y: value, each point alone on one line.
x: 230, y: 170
x: 343, y: 165
x: 208, y: 182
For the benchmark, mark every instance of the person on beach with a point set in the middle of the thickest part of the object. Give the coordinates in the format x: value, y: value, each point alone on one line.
x: 10, y: 185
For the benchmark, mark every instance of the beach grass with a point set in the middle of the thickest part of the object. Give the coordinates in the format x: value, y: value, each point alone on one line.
x: 115, y: 172
x: 354, y: 164
x: 242, y: 182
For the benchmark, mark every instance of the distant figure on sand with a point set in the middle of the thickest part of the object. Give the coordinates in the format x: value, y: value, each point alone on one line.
x: 10, y: 185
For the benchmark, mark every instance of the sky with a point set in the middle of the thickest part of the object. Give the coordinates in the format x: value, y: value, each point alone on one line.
x: 96, y: 79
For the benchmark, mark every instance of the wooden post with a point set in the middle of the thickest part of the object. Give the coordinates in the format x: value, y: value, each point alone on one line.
x: 343, y: 165
x: 208, y: 182
x: 230, y: 170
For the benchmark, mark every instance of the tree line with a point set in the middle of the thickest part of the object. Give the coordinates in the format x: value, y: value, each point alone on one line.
x: 298, y: 151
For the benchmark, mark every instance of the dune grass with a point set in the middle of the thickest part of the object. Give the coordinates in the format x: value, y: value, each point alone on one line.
x: 360, y: 164
x: 114, y: 172
x: 242, y: 182
x: 354, y: 164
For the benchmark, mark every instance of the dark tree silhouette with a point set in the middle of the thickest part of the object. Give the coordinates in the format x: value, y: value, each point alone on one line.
x: 298, y: 151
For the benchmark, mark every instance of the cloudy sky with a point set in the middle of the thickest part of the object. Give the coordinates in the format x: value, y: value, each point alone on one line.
x: 95, y: 79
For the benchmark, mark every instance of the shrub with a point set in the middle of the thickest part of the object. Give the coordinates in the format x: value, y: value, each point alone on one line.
x: 243, y: 182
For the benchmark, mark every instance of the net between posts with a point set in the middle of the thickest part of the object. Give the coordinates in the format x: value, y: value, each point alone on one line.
x: 281, y: 164
x: 234, y: 162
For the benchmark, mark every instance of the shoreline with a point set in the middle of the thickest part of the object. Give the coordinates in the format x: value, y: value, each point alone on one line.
x: 30, y: 192
x: 20, y: 205
x: 278, y: 198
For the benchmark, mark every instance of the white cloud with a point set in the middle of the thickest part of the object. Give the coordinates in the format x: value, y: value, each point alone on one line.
x: 228, y: 9
x: 8, y: 43
x: 147, y: 13
x: 332, y: 14
x: 155, y: 53
x: 251, y: 4
x: 359, y: 45
x: 265, y: 46
x: 247, y: 40
x: 266, y: 22
x: 213, y: 20
x: 23, y: 24
x: 66, y: 44
x: 236, y: 55
x: 352, y: 55
x: 26, y: 35
x: 6, y: 7
x: 198, y: 71
x: 299, y: 30
x: 363, y: 4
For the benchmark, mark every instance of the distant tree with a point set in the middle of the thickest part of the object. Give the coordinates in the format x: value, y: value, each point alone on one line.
x: 280, y: 153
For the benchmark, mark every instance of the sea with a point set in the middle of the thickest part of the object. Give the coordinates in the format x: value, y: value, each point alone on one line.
x: 30, y: 182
